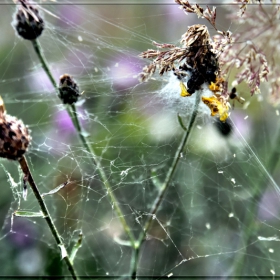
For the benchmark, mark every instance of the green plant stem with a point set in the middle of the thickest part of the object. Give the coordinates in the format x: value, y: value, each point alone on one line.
x: 26, y: 171
x: 102, y: 173
x: 166, y: 182
x: 74, y: 117
x: 250, y: 221
x: 45, y: 66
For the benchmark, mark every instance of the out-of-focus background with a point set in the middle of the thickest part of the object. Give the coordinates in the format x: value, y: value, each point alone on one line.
x: 220, y: 215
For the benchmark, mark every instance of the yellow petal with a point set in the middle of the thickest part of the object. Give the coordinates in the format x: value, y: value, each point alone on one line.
x: 217, y: 107
x: 184, y: 91
x: 217, y: 86
x: 214, y: 87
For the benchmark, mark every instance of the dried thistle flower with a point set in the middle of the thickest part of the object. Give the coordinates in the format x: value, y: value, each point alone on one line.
x: 195, y: 49
x: 194, y: 64
x: 68, y: 90
x: 201, y: 59
x: 14, y: 135
x: 28, y: 23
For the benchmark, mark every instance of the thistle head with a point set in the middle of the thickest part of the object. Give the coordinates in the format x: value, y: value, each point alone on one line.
x: 68, y: 90
x: 28, y: 22
x: 14, y: 135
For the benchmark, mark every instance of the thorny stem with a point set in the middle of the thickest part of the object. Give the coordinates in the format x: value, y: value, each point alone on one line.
x: 166, y: 182
x: 26, y: 171
x: 250, y: 221
x: 74, y: 117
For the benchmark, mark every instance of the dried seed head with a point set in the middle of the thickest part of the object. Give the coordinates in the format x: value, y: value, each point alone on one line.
x: 196, y: 36
x: 197, y: 61
x: 196, y: 51
x: 68, y: 90
x: 28, y: 23
x: 14, y: 135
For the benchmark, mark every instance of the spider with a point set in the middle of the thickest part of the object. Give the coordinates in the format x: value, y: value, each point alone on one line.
x: 233, y: 96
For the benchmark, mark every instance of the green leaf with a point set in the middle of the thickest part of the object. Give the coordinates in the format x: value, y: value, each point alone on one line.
x: 61, y: 186
x: 29, y: 214
x: 122, y: 242
x: 76, y: 247
x: 181, y: 122
x: 154, y: 177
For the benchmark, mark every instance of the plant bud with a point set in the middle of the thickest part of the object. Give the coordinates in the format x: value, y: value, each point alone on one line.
x: 14, y: 135
x: 68, y: 90
x: 28, y: 23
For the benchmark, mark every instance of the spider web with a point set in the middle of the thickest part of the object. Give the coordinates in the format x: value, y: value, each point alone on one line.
x: 219, y: 216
